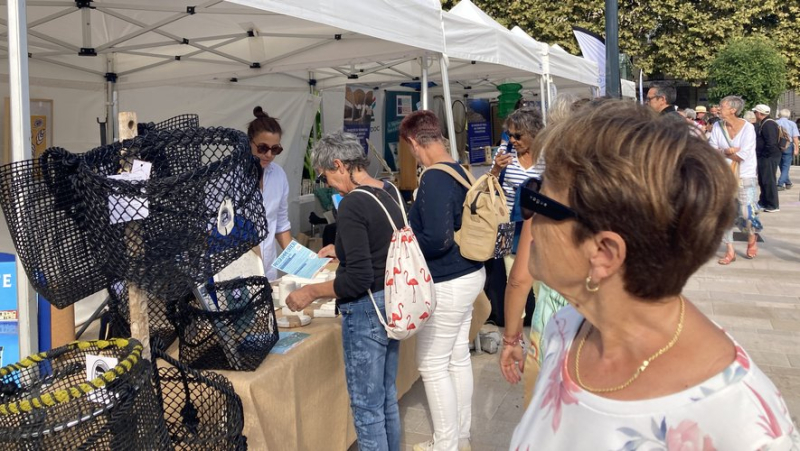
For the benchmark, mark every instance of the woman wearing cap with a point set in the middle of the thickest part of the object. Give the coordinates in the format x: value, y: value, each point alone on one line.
x: 619, y: 224
x: 265, y: 143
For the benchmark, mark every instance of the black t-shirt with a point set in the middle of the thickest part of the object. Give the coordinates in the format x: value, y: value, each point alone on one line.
x: 363, y: 234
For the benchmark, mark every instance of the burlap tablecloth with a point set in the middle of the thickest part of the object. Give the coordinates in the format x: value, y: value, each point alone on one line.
x: 298, y: 401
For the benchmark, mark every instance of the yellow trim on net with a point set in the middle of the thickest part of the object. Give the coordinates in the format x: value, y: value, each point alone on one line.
x: 66, y: 394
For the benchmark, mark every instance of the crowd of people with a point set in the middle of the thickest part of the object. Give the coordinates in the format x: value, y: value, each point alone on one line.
x: 618, y: 357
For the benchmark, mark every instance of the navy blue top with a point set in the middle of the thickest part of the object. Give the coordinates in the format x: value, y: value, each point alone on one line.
x: 434, y: 218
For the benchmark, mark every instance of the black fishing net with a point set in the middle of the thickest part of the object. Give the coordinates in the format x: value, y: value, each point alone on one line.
x: 43, y: 214
x: 173, y: 123
x: 199, y: 210
x: 228, y: 325
x: 49, y: 401
x: 119, y: 315
x: 201, y: 409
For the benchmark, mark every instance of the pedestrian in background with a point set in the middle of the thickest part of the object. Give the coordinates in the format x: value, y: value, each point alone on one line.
x: 786, y: 155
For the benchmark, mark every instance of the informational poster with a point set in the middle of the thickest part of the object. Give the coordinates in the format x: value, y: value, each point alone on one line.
x: 398, y: 106
x: 479, y: 129
x: 9, y: 319
x: 359, y: 105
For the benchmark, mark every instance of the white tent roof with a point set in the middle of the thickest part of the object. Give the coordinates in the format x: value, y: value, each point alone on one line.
x: 174, y: 41
x: 568, y: 71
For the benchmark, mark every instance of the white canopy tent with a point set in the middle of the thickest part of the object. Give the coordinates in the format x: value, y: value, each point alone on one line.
x: 218, y: 58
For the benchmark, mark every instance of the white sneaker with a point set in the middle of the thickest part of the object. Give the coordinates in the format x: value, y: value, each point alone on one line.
x: 463, y: 445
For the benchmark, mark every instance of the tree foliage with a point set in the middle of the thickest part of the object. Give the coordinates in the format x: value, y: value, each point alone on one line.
x: 748, y: 67
x: 676, y: 38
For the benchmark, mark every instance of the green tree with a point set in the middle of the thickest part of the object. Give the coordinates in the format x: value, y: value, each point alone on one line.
x: 677, y: 38
x: 748, y: 67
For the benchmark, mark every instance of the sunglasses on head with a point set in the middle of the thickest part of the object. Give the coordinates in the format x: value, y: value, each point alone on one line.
x: 516, y: 136
x: 264, y: 148
x: 533, y: 202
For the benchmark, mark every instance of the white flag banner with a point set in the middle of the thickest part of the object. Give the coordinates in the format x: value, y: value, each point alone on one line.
x: 593, y: 48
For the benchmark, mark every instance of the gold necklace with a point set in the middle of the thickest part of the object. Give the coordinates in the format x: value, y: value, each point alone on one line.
x: 639, y: 370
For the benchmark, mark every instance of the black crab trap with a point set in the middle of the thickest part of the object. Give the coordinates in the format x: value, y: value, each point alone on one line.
x: 44, y: 215
x: 227, y: 325
x: 119, y: 315
x: 201, y: 409
x: 189, y: 206
x: 90, y: 395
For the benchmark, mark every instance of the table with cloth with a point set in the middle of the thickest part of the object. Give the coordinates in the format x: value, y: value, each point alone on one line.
x: 299, y: 401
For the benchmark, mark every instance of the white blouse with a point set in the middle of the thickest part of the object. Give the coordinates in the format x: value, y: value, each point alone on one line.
x: 745, y: 141
x: 738, y: 409
x: 275, y: 192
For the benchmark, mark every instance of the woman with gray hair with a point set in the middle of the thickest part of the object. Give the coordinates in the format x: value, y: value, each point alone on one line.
x: 362, y: 243
x: 735, y: 138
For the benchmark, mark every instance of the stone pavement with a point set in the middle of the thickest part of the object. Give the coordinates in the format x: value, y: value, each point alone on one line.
x: 757, y: 301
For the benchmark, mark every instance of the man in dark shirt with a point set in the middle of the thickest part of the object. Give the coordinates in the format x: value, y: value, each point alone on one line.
x: 661, y: 98
x: 768, y: 155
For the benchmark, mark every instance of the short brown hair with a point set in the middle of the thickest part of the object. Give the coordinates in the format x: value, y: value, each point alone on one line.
x: 667, y: 193
x: 422, y: 126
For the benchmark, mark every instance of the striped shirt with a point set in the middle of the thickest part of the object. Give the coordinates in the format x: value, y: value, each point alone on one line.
x: 515, y: 174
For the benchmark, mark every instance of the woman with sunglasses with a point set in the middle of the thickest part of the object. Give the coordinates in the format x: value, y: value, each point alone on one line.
x: 362, y: 244
x: 620, y: 222
x: 265, y: 143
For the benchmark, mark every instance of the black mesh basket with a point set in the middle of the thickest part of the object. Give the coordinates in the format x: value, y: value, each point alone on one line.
x: 42, y: 210
x: 119, y: 318
x: 47, y: 402
x: 201, y: 409
x: 173, y: 123
x: 234, y: 330
x: 200, y: 209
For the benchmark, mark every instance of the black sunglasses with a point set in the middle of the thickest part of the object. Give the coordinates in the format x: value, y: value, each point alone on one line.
x: 263, y: 149
x: 531, y: 201
x: 322, y: 179
x: 516, y: 136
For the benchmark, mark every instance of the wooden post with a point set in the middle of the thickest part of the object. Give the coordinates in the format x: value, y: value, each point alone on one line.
x: 137, y: 298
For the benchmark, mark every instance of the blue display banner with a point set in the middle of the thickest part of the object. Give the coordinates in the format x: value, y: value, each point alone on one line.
x: 9, y: 324
x: 479, y: 129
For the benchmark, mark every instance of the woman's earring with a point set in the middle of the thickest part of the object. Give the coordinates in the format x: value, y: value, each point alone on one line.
x: 589, y: 287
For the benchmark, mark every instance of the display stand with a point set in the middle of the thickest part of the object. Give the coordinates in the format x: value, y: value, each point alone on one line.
x: 137, y: 298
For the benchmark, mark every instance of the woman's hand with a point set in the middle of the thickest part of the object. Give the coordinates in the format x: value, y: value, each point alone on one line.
x: 512, y: 362
x: 732, y: 150
x: 327, y: 251
x: 299, y: 299
x: 500, y: 162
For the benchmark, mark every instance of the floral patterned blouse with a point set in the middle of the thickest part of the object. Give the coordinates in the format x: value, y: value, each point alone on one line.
x: 738, y: 409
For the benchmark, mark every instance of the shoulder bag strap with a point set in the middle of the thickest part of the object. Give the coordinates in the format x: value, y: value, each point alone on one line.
x: 452, y: 172
x: 388, y: 216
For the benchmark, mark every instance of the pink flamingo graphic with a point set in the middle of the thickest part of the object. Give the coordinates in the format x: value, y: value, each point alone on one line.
x: 412, y: 282
x: 395, y: 271
x: 397, y: 316
x: 425, y: 276
x: 424, y: 315
x: 410, y: 325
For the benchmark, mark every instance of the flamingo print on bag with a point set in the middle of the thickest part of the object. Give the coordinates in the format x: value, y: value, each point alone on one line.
x: 412, y: 282
x: 425, y: 276
x: 410, y: 325
x: 397, y: 316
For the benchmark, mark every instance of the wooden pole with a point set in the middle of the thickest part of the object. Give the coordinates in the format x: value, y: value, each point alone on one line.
x: 137, y: 298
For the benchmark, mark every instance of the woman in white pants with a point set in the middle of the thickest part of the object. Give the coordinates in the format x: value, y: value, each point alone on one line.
x: 443, y: 344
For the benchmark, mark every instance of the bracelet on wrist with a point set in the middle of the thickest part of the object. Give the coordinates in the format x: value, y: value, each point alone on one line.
x: 516, y: 340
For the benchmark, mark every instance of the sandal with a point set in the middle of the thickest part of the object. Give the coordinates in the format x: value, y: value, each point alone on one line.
x: 752, y: 247
x: 727, y: 259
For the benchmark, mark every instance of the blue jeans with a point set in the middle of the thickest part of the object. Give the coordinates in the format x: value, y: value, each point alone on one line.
x: 786, y: 163
x: 370, y: 362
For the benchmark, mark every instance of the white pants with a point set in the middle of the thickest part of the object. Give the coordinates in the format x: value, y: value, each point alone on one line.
x: 444, y: 362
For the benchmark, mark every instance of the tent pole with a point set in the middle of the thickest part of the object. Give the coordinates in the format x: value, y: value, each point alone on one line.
x: 424, y: 89
x: 20, y: 112
x: 448, y: 106
x: 542, y: 99
x: 110, y: 129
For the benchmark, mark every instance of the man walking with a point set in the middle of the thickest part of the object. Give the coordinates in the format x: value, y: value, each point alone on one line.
x: 768, y: 155
x: 794, y: 144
